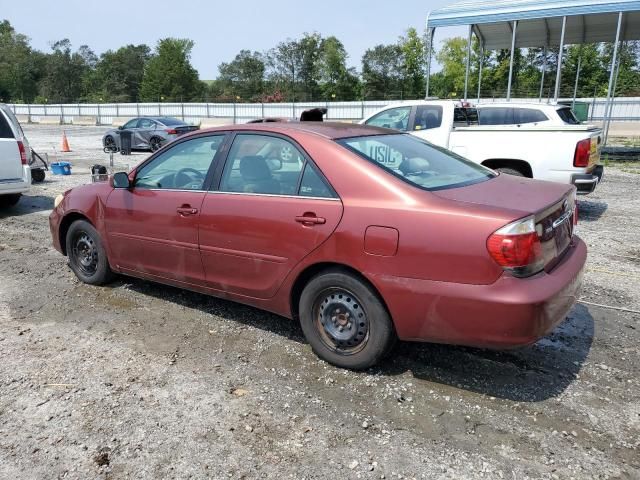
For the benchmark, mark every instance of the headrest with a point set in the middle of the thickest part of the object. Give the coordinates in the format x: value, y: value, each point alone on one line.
x: 254, y: 167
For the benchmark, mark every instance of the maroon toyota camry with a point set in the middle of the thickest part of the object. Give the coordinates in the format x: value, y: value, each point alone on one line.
x: 362, y: 234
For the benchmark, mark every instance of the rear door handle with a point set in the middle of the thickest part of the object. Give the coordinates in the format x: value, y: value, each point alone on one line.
x: 185, y: 211
x: 311, y: 219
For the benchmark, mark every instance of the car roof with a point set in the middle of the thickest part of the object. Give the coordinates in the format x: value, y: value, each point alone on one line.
x: 330, y: 130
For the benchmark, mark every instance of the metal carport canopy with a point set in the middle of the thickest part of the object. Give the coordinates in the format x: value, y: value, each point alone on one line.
x: 511, y: 24
x: 588, y: 21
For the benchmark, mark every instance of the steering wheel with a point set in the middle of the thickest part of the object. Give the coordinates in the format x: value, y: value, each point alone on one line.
x: 191, y: 174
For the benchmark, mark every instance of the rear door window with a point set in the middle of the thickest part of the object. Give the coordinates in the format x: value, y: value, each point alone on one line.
x: 397, y: 118
x: 495, y: 116
x: 5, y: 128
x: 428, y: 117
x: 528, y: 115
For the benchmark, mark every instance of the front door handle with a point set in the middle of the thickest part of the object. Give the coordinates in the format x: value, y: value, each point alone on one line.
x: 186, y: 210
x: 310, y: 218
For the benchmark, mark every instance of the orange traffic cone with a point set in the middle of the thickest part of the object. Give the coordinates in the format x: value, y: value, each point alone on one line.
x: 65, y: 143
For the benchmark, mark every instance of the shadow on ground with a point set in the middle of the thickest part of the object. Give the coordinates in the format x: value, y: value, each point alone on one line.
x: 28, y: 204
x: 590, y: 210
x: 530, y: 374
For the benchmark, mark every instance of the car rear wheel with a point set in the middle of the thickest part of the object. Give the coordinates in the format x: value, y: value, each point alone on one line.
x: 344, y: 321
x: 155, y: 143
x: 9, y: 200
x: 510, y: 171
x: 87, y: 256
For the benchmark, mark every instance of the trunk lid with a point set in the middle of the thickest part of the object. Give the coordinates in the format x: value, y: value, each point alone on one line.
x: 181, y: 130
x: 552, y: 205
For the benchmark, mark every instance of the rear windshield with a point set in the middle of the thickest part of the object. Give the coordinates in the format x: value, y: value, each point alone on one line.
x: 567, y: 116
x: 417, y: 162
x: 170, y: 121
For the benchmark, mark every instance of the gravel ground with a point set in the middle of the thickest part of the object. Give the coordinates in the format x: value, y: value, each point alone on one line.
x: 137, y: 380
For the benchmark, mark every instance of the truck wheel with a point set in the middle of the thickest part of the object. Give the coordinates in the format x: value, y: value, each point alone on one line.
x: 9, y: 200
x: 510, y: 171
x: 87, y: 256
x: 37, y: 175
x: 344, y: 321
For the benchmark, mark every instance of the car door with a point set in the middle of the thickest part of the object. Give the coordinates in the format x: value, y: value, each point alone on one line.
x: 152, y: 227
x: 272, y: 208
x: 143, y: 133
x: 426, y: 123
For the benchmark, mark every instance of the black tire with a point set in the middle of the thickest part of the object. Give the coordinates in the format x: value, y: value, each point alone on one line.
x: 328, y: 306
x: 37, y: 175
x: 9, y: 200
x: 87, y: 256
x: 510, y: 171
x: 155, y: 143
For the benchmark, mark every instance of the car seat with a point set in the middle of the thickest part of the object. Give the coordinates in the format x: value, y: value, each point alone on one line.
x: 256, y: 175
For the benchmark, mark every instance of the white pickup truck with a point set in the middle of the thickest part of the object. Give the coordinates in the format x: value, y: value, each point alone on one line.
x: 558, y: 153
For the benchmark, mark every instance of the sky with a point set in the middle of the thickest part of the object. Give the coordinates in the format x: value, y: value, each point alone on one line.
x: 219, y: 29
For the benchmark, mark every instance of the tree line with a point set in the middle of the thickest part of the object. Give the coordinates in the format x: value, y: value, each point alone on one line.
x: 310, y: 68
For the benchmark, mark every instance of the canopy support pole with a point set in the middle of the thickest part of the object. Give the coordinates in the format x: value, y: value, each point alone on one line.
x: 575, y: 86
x: 466, y: 73
x: 608, y: 106
x: 513, y: 47
x: 430, y: 32
x: 480, y: 69
x: 544, y: 69
x: 560, y: 55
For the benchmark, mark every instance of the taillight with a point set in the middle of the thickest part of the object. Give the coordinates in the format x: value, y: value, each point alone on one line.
x: 581, y: 157
x: 516, y: 247
x: 171, y: 131
x: 23, y: 153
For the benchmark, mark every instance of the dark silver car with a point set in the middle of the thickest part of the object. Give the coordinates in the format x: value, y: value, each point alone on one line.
x: 148, y: 133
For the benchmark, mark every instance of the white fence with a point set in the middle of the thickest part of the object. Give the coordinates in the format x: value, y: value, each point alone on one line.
x: 624, y: 109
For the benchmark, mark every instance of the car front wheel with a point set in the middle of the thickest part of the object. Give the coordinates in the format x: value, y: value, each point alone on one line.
x: 344, y: 321
x: 87, y: 256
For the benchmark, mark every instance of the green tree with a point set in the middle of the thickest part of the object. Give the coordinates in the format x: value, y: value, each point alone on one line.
x: 66, y: 72
x: 452, y: 58
x: 20, y: 67
x: 382, y: 72
x: 413, y: 64
x: 337, y: 82
x: 169, y: 73
x: 118, y: 74
x: 243, y: 76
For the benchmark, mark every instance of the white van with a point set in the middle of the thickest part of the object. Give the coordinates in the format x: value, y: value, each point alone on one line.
x: 15, y: 173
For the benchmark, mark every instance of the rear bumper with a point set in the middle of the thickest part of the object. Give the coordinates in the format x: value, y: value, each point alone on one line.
x: 586, y: 182
x: 17, y: 185
x: 508, y: 313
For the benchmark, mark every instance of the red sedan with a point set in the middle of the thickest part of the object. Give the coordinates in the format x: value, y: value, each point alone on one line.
x: 362, y: 234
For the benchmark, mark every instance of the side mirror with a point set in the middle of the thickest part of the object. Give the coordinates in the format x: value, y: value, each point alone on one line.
x: 121, y: 180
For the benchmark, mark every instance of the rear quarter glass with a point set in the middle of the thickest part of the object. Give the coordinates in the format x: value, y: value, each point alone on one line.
x: 417, y: 162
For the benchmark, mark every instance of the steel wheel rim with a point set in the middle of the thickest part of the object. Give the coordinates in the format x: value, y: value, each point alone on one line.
x: 341, y: 321
x: 85, y: 254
